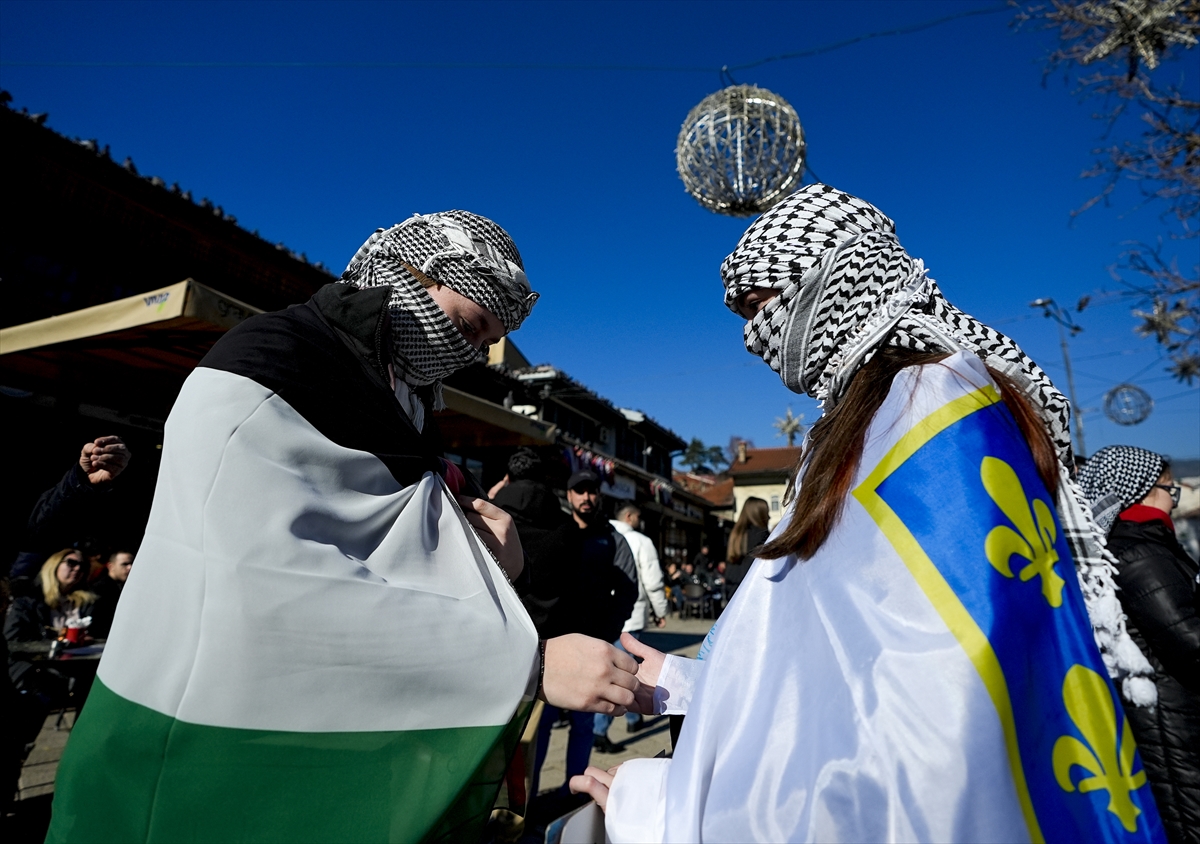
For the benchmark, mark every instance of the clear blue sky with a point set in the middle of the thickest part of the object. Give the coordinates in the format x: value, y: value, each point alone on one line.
x: 949, y: 130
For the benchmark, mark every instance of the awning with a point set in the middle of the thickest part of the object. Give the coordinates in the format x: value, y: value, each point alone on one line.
x: 133, y: 353
x: 459, y: 423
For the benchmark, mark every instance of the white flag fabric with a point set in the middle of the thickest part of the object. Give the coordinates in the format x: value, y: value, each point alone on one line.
x: 929, y: 675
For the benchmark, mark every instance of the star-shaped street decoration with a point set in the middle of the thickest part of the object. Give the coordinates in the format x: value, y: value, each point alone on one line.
x: 789, y: 426
x: 1160, y: 323
x: 1186, y: 368
x: 1145, y: 27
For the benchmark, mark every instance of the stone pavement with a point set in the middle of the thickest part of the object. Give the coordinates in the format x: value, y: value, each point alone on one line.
x: 681, y: 637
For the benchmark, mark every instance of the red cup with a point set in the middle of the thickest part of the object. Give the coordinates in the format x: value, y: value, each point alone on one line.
x: 74, y: 634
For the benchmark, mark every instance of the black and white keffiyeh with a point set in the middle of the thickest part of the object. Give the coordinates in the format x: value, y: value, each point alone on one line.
x: 467, y: 253
x: 1115, y: 478
x: 846, y: 288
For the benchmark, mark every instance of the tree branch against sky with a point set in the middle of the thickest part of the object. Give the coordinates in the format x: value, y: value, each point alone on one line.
x: 1121, y: 52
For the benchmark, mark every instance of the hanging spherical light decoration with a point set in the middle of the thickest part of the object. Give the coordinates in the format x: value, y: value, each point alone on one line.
x: 741, y: 150
x: 1127, y: 404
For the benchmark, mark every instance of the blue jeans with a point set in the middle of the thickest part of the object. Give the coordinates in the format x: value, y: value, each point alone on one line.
x: 579, y: 744
x: 603, y: 722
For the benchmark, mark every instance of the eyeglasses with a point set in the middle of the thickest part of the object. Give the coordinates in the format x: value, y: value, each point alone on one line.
x: 1175, y: 489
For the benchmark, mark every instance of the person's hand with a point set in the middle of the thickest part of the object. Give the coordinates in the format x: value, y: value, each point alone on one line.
x: 660, y: 623
x: 595, y: 783
x: 498, y: 532
x: 499, y: 485
x: 103, y: 459
x: 587, y: 675
x: 647, y: 674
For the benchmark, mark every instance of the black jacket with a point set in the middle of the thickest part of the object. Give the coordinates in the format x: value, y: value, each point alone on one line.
x: 1157, y: 583
x: 108, y: 592
x: 28, y: 618
x: 582, y: 581
x: 535, y: 511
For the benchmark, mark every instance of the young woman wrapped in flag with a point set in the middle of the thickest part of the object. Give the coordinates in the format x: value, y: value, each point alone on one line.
x: 926, y: 647
x: 321, y: 641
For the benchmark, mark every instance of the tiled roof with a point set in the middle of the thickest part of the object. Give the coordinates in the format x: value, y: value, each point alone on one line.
x: 760, y: 460
x: 717, y: 491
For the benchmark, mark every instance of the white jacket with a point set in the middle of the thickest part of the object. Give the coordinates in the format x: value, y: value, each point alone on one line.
x: 650, y: 578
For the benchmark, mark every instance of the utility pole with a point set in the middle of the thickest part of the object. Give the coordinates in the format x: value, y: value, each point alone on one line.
x: 1054, y: 311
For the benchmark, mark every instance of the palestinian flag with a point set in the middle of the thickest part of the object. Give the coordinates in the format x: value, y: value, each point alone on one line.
x: 314, y: 644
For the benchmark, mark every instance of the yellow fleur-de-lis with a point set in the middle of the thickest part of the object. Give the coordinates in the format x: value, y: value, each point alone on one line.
x: 1035, y: 534
x: 1090, y: 706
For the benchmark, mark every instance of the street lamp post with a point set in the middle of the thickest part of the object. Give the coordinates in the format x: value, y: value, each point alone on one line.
x: 1054, y: 311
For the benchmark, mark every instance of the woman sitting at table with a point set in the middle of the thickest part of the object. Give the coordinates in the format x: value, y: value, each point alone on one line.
x: 43, y: 608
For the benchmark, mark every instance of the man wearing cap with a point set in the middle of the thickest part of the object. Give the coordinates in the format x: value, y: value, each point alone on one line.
x: 583, y: 580
x: 322, y: 641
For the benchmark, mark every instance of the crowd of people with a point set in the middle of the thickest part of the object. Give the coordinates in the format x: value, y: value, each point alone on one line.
x: 945, y: 604
x: 64, y: 584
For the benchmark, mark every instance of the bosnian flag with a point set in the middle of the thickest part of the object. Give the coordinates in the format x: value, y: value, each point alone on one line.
x: 929, y: 674
x: 314, y: 644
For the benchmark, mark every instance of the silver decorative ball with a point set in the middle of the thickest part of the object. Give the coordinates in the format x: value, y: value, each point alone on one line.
x: 1127, y: 404
x: 741, y: 150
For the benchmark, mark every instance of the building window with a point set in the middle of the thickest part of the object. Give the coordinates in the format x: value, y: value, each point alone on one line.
x: 774, y: 503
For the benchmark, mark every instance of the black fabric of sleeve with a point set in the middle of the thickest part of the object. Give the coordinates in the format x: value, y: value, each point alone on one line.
x: 322, y: 358
x: 625, y: 581
x: 64, y: 512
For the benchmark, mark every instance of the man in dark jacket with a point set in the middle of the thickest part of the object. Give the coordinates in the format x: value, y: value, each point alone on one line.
x: 584, y: 580
x: 108, y: 591
x: 1133, y: 491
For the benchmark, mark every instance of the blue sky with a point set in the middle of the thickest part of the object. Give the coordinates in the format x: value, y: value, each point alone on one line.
x: 950, y: 131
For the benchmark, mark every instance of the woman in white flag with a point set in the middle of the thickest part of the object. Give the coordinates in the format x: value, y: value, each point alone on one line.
x: 322, y: 640
x: 926, y: 647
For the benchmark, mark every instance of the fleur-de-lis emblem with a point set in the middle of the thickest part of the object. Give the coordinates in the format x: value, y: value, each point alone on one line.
x: 1035, y: 534
x: 1109, y: 766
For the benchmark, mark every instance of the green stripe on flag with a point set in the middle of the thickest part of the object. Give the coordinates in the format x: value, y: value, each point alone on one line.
x: 132, y: 774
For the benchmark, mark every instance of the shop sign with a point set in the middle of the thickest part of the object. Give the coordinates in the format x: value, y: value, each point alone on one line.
x: 621, y: 487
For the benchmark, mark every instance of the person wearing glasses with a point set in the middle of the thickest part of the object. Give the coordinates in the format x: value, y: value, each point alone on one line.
x: 1132, y: 493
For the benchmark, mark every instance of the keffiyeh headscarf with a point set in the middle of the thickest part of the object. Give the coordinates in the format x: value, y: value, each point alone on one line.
x: 1115, y: 478
x: 846, y: 288
x: 469, y: 254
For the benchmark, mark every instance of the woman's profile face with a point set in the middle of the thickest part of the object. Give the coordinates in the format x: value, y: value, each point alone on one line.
x: 70, y: 572
x: 753, y: 301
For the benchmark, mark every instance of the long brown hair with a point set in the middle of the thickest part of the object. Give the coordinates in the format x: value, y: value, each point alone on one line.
x: 755, y: 513
x: 48, y: 576
x: 835, y: 447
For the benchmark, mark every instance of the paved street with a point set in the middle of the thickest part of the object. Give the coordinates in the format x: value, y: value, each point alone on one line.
x: 680, y: 636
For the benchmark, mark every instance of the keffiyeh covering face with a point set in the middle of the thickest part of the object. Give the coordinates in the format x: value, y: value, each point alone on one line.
x: 846, y: 288
x: 469, y: 254
x: 1115, y: 478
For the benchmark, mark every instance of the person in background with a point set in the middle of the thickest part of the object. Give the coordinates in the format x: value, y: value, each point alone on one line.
x: 650, y: 600
x: 584, y: 580
x: 528, y: 498
x: 1132, y: 493
x: 66, y: 510
x: 108, y: 591
x: 702, y: 562
x: 674, y: 584
x: 749, y: 533
x: 42, y: 609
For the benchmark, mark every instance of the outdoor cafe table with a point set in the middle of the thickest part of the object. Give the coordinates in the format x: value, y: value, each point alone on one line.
x: 78, y: 663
